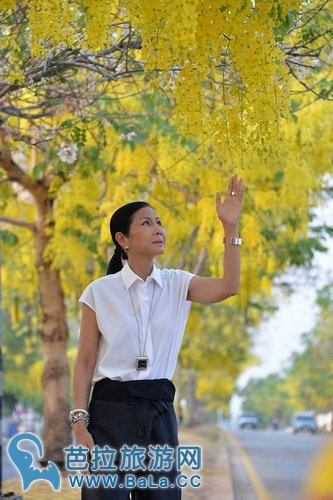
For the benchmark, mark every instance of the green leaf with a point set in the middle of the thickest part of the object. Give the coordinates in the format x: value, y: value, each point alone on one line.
x: 300, y: 253
x: 79, y: 135
x: 67, y: 123
x: 322, y: 230
x: 81, y: 212
x: 294, y: 105
x: 269, y: 234
x: 38, y: 170
x: 278, y: 176
x: 8, y: 238
x: 325, y: 297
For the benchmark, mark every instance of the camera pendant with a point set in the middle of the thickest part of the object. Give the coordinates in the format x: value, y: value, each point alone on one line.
x: 141, y: 362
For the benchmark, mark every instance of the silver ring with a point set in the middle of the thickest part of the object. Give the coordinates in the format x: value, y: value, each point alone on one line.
x: 233, y: 193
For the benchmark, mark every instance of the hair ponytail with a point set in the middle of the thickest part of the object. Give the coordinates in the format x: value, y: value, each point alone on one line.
x: 115, y: 263
x: 120, y: 222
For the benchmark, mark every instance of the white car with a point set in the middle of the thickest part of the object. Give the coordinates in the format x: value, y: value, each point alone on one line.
x: 304, y: 422
x: 248, y: 420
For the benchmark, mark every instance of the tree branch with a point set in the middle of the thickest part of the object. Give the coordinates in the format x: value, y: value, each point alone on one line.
x: 188, y: 195
x: 309, y: 89
x: 36, y: 189
x: 302, y: 65
x: 7, y: 179
x: 200, y: 263
x: 18, y: 222
x: 69, y: 59
x: 9, y: 110
x: 316, y: 12
x: 308, y: 42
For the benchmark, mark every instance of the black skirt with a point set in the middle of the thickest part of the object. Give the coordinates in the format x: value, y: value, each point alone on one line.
x: 134, y: 414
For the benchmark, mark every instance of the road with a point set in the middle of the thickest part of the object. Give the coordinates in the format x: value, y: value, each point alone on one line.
x: 271, y: 464
x: 8, y: 469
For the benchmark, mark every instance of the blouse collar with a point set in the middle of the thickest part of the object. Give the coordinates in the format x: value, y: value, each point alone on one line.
x: 129, y: 276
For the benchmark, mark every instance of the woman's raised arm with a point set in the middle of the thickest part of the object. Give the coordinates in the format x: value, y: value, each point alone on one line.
x: 210, y: 290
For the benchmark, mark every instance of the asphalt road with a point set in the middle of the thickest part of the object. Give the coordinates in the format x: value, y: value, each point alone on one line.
x: 271, y: 464
x: 8, y: 469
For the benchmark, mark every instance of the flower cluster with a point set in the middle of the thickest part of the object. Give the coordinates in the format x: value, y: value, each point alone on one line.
x: 99, y: 16
x: 224, y: 66
x: 220, y: 60
x: 52, y: 24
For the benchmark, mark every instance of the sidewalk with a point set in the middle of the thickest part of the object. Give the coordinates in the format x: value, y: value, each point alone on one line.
x: 215, y: 474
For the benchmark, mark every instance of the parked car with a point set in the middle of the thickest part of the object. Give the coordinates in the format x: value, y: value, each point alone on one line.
x: 248, y: 420
x: 304, y: 422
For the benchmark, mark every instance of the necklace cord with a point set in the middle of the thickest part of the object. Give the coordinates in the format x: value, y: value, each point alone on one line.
x: 148, y: 321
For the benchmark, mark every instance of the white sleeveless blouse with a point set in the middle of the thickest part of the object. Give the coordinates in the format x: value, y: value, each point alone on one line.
x: 120, y: 342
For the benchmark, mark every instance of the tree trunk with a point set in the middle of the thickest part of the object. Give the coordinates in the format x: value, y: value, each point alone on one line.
x: 54, y: 331
x: 54, y: 337
x: 195, y: 407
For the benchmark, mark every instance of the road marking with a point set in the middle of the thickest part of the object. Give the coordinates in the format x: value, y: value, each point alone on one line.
x: 257, y: 484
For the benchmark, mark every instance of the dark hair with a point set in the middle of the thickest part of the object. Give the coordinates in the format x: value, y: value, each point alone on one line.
x: 121, y: 221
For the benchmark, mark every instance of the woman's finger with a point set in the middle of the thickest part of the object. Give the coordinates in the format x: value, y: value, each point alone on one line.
x: 90, y: 443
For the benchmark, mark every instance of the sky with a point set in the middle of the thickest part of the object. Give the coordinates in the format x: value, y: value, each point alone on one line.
x: 278, y: 337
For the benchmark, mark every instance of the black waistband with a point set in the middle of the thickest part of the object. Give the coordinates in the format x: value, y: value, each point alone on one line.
x: 160, y: 389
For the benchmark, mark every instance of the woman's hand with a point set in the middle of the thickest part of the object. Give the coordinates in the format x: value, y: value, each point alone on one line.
x: 83, y: 438
x: 229, y: 211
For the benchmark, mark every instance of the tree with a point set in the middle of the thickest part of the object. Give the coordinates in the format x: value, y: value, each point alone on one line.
x: 311, y: 370
x: 54, y: 334
x: 306, y: 384
x: 269, y: 397
x: 226, y: 68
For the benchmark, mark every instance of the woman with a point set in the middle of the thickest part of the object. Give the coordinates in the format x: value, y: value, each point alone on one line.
x: 133, y: 321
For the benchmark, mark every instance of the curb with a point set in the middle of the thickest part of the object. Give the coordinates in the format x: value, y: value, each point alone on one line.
x: 247, y: 484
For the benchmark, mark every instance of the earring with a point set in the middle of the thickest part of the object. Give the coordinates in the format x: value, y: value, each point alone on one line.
x: 126, y: 248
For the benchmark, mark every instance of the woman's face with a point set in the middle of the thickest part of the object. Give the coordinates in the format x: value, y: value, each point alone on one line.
x: 146, y: 234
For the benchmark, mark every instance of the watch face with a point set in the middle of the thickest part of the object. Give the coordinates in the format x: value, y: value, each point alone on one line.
x: 142, y: 363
